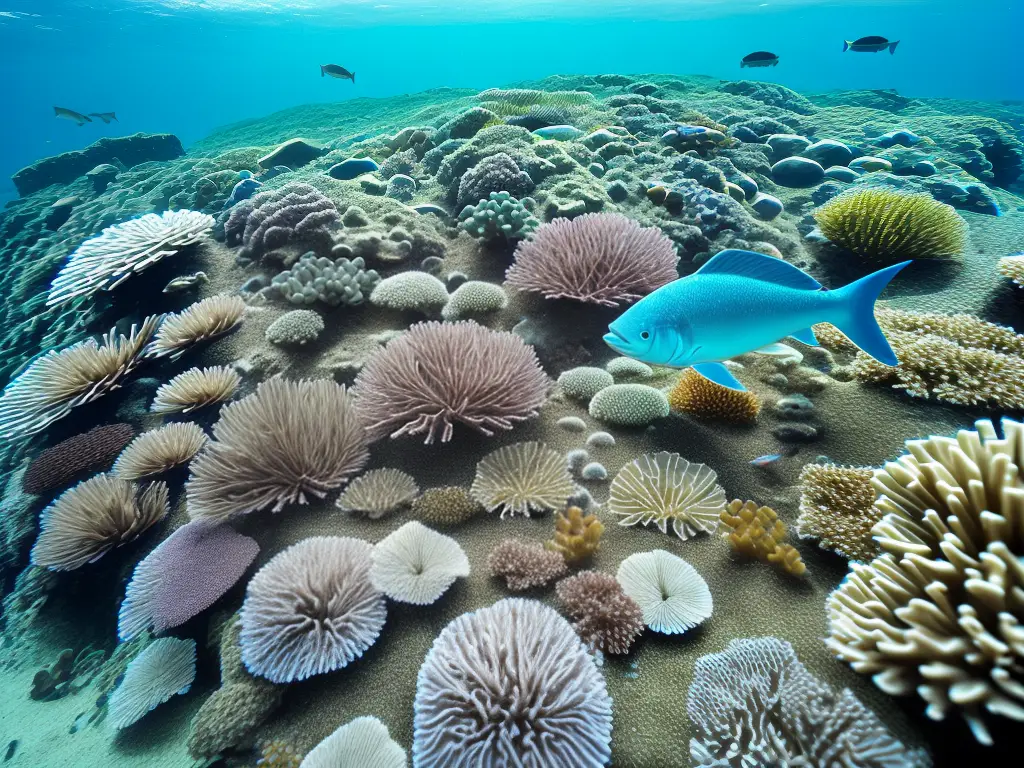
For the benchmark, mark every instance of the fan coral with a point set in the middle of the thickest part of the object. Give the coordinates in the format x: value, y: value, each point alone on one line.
x: 59, y: 464
x: 206, y: 319
x: 437, y: 374
x: 93, y: 517
x: 107, y: 260
x: 58, y: 381
x: 525, y: 565
x: 270, y: 220
x: 379, y: 492
x: 165, y: 668
x: 159, y: 449
x: 273, y: 447
x: 522, y: 477
x: 940, y: 612
x: 672, y: 595
x: 958, y: 359
x: 548, y: 708
x: 296, y: 328
x: 186, y: 574
x: 445, y: 506
x: 311, y: 609
x: 314, y: 279
x: 599, y: 258
x: 196, y: 388
x: 660, y: 487
x: 704, y: 399
x: 836, y: 506
x: 881, y: 223
x: 577, y: 535
x: 606, y: 618
x: 1012, y: 268
x: 361, y: 743
x: 756, y: 704
x: 757, y: 532
x: 499, y: 215
x: 416, y: 564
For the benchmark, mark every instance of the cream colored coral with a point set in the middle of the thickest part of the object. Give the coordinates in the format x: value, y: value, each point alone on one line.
x: 522, y: 477
x: 1012, y: 268
x: 837, y: 507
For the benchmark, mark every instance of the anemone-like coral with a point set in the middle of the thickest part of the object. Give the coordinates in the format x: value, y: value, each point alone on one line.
x: 416, y: 564
x: 204, y: 320
x: 164, y: 669
x: 159, y: 449
x: 605, y: 617
x: 664, y: 487
x: 437, y: 374
x: 109, y: 259
x: 940, y: 613
x: 703, y: 399
x: 600, y: 258
x: 379, y: 492
x: 672, y: 595
x: 577, y: 535
x: 312, y: 609
x: 879, y: 223
x: 59, y: 464
x: 446, y: 506
x: 757, y: 532
x: 522, y: 477
x: 287, y: 440
x: 837, y: 507
x: 58, y: 381
x: 525, y: 565
x: 196, y: 388
x: 268, y: 220
x: 549, y: 708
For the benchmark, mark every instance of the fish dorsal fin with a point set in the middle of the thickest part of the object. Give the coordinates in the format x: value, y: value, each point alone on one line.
x: 757, y: 266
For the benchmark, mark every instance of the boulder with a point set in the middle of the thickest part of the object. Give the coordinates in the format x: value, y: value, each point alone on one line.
x: 828, y: 152
x: 841, y: 173
x: 294, y: 153
x: 797, y: 172
x: 767, y: 207
x: 352, y: 168
x: 868, y: 164
x: 787, y: 144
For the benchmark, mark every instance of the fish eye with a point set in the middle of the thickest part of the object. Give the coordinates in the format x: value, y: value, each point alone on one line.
x: 645, y: 335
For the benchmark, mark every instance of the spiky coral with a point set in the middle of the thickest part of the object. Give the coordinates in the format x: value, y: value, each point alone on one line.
x: 836, y: 506
x: 757, y: 532
x: 706, y: 400
x: 577, y: 535
x: 525, y: 565
x: 882, y: 224
x: 605, y: 617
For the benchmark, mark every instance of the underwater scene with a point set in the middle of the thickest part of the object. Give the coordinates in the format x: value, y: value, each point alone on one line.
x: 511, y: 383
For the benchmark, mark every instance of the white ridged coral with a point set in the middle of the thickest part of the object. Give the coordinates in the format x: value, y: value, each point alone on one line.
x: 670, y: 592
x: 416, y: 564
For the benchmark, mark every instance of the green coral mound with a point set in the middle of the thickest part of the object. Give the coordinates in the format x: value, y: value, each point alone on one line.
x: 500, y: 215
x: 885, y: 225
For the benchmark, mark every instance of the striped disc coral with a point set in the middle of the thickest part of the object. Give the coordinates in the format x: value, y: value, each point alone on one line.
x: 415, y: 564
x: 662, y: 487
x: 164, y: 669
x: 159, y: 450
x: 362, y: 743
x: 196, y: 388
x: 58, y: 381
x: 438, y: 374
x: 285, y: 442
x: 204, y: 320
x: 312, y: 609
x: 672, y: 595
x: 93, y: 517
x: 378, y: 492
x: 596, y: 258
x: 107, y: 260
x: 522, y: 477
x: 548, y: 708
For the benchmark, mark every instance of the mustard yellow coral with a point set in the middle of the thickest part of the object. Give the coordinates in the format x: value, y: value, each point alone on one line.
x: 836, y: 506
x: 757, y: 532
x: 706, y: 400
x: 884, y: 224
x: 577, y: 536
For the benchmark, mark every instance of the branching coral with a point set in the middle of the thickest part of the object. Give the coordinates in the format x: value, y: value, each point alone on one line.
x: 881, y: 223
x: 577, y: 535
x: 522, y: 477
x: 836, y: 506
x: 757, y: 532
x: 378, y: 493
x: 605, y: 617
x: 196, y: 388
x: 941, y: 612
x: 499, y: 216
x: 706, y: 400
x: 204, y: 320
x: 525, y: 565
x: 600, y: 258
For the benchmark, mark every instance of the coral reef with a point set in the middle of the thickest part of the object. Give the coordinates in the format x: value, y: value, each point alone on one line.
x: 445, y: 506
x: 757, y: 532
x: 629, y: 405
x: 363, y: 742
x: 500, y: 215
x: 525, y: 565
x: 295, y: 213
x: 202, y: 321
x: 164, y: 669
x: 196, y: 388
x: 296, y: 328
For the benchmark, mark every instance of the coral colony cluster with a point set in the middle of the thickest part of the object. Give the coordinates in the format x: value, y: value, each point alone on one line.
x: 377, y: 460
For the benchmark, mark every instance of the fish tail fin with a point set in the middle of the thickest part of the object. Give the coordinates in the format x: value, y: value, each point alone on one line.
x: 321, y: 70
x: 846, y: 45
x: 56, y: 111
x: 112, y: 115
x: 856, y: 313
x: 892, y: 47
x: 353, y: 78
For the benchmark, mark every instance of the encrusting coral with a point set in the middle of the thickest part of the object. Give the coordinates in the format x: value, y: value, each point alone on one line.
x: 837, y: 507
x: 331, y: 282
x: 1012, y: 268
x: 577, y: 535
x: 59, y: 464
x: 757, y: 532
x: 605, y: 617
x: 703, y: 399
x: 268, y: 220
x: 525, y: 565
x: 445, y: 506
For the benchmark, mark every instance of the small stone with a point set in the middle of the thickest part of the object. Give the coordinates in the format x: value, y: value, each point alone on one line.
x: 795, y: 433
x: 797, y: 172
x: 570, y: 209
x: 787, y: 144
x: 432, y: 265
x: 255, y: 284
x: 618, y: 191
x: 355, y: 216
x: 747, y: 184
x: 746, y: 135
x: 594, y: 471
x: 735, y: 192
x: 600, y: 440
x: 599, y: 138
x: 766, y: 207
x: 901, y: 136
x: 795, y: 407
x: 353, y: 168
x: 869, y: 164
x: 576, y: 460
x: 816, y: 236
x: 778, y: 380
x: 596, y: 169
x: 572, y: 424
x: 841, y: 173
x: 828, y: 152
x: 401, y: 187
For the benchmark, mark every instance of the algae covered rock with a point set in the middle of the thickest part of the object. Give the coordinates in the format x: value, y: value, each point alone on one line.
x: 797, y: 172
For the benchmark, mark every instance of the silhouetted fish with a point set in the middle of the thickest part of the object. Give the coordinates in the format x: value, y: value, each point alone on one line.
x: 870, y: 44
x: 70, y: 114
x: 106, y: 117
x: 759, y: 59
x: 339, y: 72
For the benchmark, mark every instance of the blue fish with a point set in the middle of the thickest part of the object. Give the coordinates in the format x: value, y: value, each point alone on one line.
x: 740, y: 302
x: 764, y: 461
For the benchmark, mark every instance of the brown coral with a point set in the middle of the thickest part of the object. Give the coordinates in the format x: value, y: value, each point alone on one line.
x: 836, y: 507
x: 196, y: 388
x: 446, y: 506
x: 204, y: 320
x: 59, y: 464
x: 605, y: 617
x: 577, y: 535
x: 757, y: 532
x: 525, y: 565
x: 704, y: 399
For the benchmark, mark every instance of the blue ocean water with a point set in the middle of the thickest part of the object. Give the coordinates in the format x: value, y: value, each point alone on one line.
x: 187, y: 66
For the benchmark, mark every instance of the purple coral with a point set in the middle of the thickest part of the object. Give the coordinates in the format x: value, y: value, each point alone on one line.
x: 497, y: 173
x: 294, y: 213
x: 597, y: 258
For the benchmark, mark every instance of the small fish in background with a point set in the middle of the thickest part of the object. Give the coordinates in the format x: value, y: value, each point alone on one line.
x: 764, y: 461
x: 870, y: 44
x: 339, y: 72
x: 185, y: 282
x: 11, y: 749
x: 759, y: 59
x: 106, y: 117
x: 70, y: 114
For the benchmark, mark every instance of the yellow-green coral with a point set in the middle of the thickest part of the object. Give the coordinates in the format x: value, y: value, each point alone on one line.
x: 884, y: 224
x: 757, y: 532
x: 577, y: 536
x: 836, y: 507
x: 706, y: 400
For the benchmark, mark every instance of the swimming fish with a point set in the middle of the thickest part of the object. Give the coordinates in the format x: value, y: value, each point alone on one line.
x: 184, y: 282
x: 764, y: 461
x: 106, y: 117
x: 70, y: 114
x: 870, y: 44
x: 759, y: 59
x: 739, y: 302
x: 335, y: 71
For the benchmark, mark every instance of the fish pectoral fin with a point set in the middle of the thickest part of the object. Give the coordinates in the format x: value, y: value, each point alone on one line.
x: 806, y: 336
x: 719, y: 374
x: 778, y: 349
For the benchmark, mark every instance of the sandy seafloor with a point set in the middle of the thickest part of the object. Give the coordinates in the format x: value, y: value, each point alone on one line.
x: 859, y: 424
